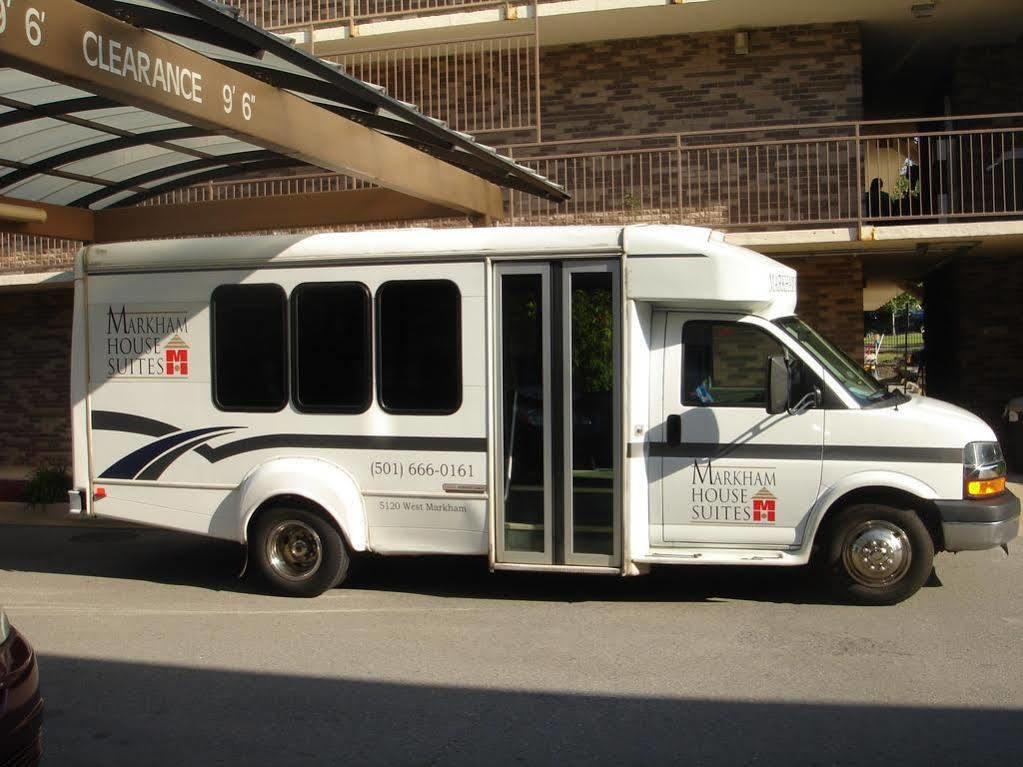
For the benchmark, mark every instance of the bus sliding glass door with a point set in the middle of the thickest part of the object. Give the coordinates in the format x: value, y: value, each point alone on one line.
x: 559, y: 462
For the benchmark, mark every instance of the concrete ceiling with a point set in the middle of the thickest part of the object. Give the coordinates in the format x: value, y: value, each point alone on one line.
x: 889, y: 24
x: 891, y: 29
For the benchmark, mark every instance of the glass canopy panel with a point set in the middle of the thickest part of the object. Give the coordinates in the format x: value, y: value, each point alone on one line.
x: 132, y: 119
x: 47, y: 138
x: 216, y: 145
x: 176, y: 176
x: 58, y: 191
x: 37, y: 188
x: 127, y: 163
x: 112, y: 200
x: 68, y: 194
x: 35, y: 91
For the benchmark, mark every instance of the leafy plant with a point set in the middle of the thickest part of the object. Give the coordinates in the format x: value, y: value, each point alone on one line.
x: 908, y: 182
x: 48, y: 484
x: 591, y: 340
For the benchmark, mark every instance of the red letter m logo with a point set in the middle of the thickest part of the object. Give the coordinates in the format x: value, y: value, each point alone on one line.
x: 177, y: 362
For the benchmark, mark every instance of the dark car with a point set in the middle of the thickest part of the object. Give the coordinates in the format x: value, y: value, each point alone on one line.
x: 21, y: 707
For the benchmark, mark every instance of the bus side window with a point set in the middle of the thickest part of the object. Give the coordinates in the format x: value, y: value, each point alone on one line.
x: 419, y: 332
x: 331, y: 348
x: 247, y: 329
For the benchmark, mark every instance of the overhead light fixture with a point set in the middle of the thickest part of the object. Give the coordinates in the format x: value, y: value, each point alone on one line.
x: 923, y: 10
x: 742, y: 43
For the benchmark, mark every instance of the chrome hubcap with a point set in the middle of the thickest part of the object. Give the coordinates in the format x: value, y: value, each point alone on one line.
x: 293, y: 550
x: 876, y: 553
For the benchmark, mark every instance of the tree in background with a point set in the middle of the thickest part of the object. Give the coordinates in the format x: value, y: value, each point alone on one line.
x: 900, y: 304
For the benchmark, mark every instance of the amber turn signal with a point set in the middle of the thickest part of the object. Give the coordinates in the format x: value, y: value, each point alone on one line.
x: 982, y: 488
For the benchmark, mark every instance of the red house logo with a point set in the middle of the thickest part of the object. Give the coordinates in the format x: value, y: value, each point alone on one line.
x: 763, y: 506
x: 175, y: 357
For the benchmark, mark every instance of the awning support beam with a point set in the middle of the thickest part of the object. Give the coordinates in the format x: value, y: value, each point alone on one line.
x: 60, y: 222
x: 216, y: 217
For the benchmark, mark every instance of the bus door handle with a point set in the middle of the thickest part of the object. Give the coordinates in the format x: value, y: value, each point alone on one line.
x: 673, y: 430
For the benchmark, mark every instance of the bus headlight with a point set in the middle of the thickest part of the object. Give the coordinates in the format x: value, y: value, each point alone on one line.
x: 983, y: 470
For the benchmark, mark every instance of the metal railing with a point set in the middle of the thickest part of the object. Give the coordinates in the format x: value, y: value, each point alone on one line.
x: 298, y: 184
x: 789, y: 176
x: 871, y: 172
x: 24, y: 253
x: 476, y: 85
x: 275, y: 186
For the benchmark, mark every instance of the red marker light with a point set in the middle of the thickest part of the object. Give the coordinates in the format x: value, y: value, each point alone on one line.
x: 99, y: 492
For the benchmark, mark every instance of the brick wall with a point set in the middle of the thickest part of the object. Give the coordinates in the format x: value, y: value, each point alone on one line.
x: 831, y: 298
x: 35, y: 355
x: 809, y: 73
x: 806, y: 73
x: 974, y: 344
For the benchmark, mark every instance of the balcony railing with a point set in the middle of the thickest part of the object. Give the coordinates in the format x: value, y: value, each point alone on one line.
x: 477, y: 85
x: 784, y: 177
x: 790, y: 176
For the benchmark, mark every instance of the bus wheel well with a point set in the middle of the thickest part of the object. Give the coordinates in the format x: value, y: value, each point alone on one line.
x: 295, y: 502
x: 887, y: 496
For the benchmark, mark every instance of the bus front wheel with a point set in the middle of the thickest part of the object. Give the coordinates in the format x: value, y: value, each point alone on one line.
x: 298, y: 552
x: 879, y: 555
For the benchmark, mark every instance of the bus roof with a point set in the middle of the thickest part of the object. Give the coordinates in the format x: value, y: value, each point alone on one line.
x: 392, y: 245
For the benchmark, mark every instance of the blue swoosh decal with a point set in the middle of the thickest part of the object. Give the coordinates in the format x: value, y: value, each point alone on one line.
x: 134, y: 462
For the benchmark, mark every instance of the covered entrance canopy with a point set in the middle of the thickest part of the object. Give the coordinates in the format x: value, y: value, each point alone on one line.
x: 105, y: 104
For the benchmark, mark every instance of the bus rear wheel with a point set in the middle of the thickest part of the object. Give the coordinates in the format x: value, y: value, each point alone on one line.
x: 298, y: 552
x: 879, y: 555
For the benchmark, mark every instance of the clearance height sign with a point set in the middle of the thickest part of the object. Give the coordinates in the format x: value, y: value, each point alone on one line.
x: 124, y: 60
x: 72, y: 43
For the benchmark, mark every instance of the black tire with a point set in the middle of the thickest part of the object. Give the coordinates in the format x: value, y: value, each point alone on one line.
x: 298, y: 552
x: 877, y: 554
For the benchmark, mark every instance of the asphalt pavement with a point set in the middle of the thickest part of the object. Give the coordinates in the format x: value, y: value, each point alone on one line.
x: 152, y: 652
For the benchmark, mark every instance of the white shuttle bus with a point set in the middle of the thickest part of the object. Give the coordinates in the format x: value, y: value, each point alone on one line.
x: 585, y: 399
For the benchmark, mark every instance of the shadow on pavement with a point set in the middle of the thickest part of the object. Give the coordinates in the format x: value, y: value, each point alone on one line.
x: 113, y: 713
x: 161, y: 556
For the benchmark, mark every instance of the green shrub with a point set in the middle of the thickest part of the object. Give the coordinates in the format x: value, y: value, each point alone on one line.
x: 48, y: 484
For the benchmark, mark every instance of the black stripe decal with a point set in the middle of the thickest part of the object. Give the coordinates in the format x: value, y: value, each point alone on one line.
x: 133, y: 424
x: 726, y: 450
x: 134, y: 462
x: 894, y: 454
x: 159, y: 466
x: 887, y: 454
x: 342, y: 442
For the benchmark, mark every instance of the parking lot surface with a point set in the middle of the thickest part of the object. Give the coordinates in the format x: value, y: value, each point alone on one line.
x: 153, y: 652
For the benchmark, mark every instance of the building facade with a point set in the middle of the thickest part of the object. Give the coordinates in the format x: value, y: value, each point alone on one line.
x: 873, y: 148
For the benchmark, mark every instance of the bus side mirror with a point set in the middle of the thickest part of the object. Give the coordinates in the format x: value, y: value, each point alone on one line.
x: 779, y: 382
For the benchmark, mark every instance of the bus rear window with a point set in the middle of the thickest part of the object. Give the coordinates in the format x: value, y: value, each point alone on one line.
x: 249, y: 347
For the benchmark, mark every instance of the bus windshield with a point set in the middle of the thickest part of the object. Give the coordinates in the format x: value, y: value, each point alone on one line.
x: 859, y: 383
